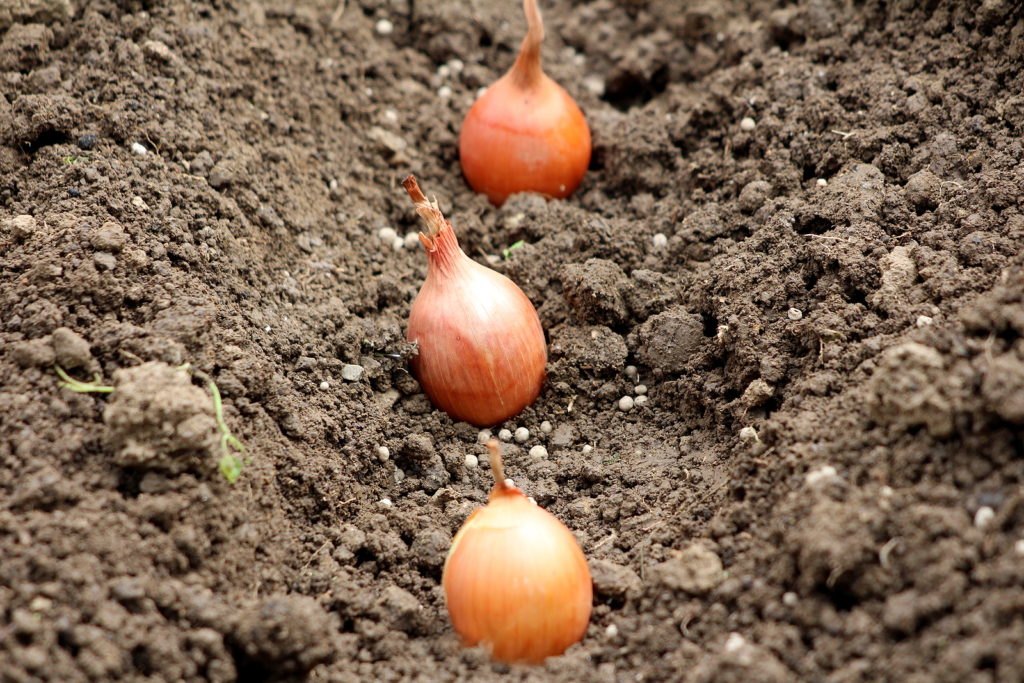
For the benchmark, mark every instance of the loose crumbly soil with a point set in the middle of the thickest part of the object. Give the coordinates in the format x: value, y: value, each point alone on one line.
x: 845, y: 276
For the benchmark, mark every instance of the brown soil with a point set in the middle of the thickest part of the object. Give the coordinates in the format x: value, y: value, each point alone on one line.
x: 845, y: 277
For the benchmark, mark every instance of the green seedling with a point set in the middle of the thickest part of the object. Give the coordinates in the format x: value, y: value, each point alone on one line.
x: 507, y: 251
x: 69, y: 382
x: 233, y: 454
x: 68, y: 160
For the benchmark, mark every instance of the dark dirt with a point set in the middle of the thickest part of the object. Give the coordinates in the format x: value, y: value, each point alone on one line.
x: 842, y: 273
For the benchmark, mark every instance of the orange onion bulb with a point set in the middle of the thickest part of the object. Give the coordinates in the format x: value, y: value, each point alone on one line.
x: 525, y: 133
x: 481, y: 347
x: 515, y: 579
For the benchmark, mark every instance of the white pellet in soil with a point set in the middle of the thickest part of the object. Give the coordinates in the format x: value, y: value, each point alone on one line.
x: 411, y: 239
x: 538, y: 452
x: 587, y: 449
x: 139, y: 149
x: 748, y: 124
x: 472, y: 460
x: 325, y: 385
x: 984, y: 516
x: 387, y: 234
x: 640, y: 401
x: 385, y: 502
x: 659, y: 241
x: 640, y: 389
x: 398, y: 244
x: 626, y: 404
x: 383, y: 453
x: 748, y: 434
x: 546, y: 428
x: 794, y: 314
x: 522, y: 435
x: 484, y: 436
x: 384, y: 27
x: 505, y: 435
x: 631, y: 371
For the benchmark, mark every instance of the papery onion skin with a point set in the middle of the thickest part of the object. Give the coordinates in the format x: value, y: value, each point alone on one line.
x: 482, y: 351
x: 525, y: 133
x: 516, y: 581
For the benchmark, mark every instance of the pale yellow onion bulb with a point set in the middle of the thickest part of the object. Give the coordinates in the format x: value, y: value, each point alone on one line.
x: 515, y: 579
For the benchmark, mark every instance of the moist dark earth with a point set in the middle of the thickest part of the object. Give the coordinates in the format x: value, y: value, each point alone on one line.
x: 801, y: 233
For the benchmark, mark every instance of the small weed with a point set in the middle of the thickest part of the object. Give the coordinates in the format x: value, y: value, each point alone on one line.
x: 507, y: 251
x: 68, y: 160
x: 69, y: 382
x: 233, y: 456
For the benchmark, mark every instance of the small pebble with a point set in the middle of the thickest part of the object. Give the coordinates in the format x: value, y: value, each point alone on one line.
x: 480, y: 92
x: 522, y: 435
x: 587, y: 449
x: 383, y: 453
x: 538, y: 452
x: 399, y: 476
x: 640, y: 389
x: 325, y: 385
x: 659, y: 241
x: 351, y: 373
x: 391, y: 115
x: 626, y: 404
x: 385, y: 502
x: 747, y: 124
x: 612, y: 631
x: 984, y: 516
x: 387, y: 234
x: 1018, y: 547
x: 749, y: 434
x: 734, y: 642
x: 631, y: 371
x: 444, y: 71
x: 790, y: 599
x: 87, y: 142
x: 640, y: 401
x: 546, y: 428
x: 821, y: 182
x: 267, y: 328
x: 398, y: 244
x: 384, y: 27
x: 411, y: 239
x: 794, y: 314
x: 924, y: 320
x: 594, y: 84
x: 139, y: 149
x: 505, y: 435
x: 472, y: 460
x: 821, y: 475
x: 444, y: 92
x: 456, y: 65
x: 484, y: 436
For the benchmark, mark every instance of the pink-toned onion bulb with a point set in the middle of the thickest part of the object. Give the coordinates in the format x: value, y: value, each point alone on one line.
x: 481, y: 347
x: 515, y: 580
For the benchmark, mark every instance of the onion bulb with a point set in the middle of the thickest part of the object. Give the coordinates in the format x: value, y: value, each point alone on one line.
x: 481, y: 347
x: 515, y: 579
x: 525, y: 133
